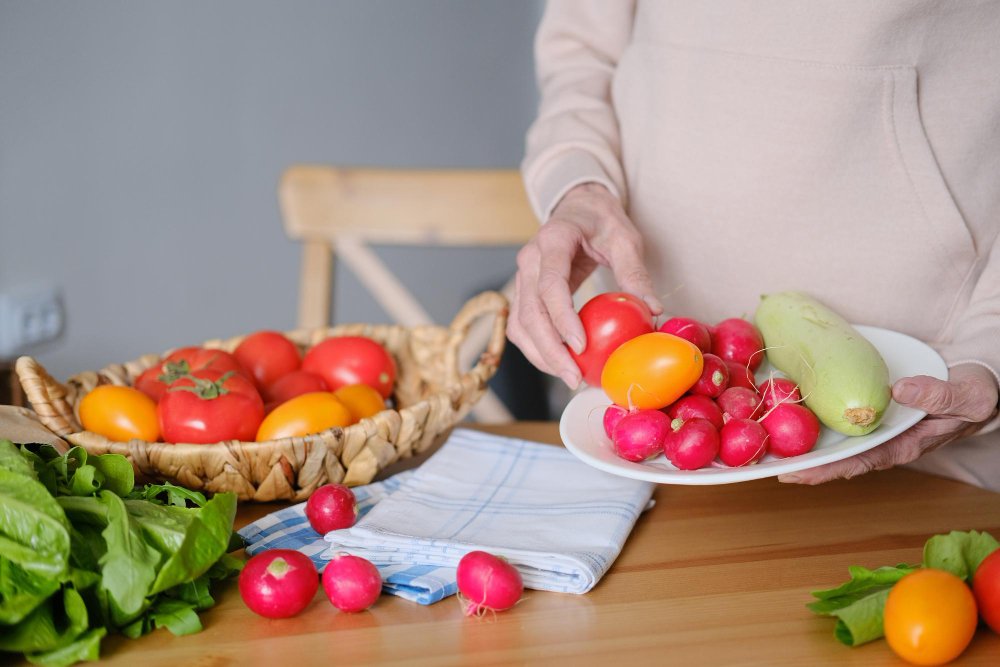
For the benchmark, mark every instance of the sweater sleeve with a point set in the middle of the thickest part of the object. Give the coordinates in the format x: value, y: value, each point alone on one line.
x: 575, y: 137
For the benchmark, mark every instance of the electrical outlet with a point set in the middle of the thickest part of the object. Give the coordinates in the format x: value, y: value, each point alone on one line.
x: 29, y: 316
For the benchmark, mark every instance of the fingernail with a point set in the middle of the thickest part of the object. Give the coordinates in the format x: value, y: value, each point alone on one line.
x: 571, y: 380
x: 789, y: 479
x: 906, y: 392
x: 575, y: 343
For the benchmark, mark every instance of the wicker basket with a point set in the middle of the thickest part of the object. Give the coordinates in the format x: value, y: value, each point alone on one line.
x: 431, y: 396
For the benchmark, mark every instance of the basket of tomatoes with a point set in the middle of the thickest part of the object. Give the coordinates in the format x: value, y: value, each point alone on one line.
x: 276, y: 415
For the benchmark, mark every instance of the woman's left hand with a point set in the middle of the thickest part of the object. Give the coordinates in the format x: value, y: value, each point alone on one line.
x: 955, y: 408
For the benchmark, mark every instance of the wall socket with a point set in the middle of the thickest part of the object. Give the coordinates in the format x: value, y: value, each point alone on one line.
x: 29, y: 316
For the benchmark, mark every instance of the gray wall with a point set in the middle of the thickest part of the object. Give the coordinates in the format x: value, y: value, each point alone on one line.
x: 141, y: 143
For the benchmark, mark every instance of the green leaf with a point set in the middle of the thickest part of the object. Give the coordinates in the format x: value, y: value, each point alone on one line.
x: 21, y: 592
x: 204, y: 543
x: 119, y: 477
x: 196, y: 593
x: 86, y: 647
x: 178, y: 616
x: 858, y: 603
x: 13, y: 461
x: 164, y: 526
x: 128, y: 568
x: 861, y: 621
x: 175, y: 495
x: 86, y: 481
x: 33, y: 528
x: 54, y: 624
x: 959, y: 553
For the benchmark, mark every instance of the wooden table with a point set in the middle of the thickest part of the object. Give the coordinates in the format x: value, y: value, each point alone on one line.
x: 716, y: 575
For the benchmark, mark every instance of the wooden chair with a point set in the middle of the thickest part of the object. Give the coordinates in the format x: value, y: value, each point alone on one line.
x: 337, y: 212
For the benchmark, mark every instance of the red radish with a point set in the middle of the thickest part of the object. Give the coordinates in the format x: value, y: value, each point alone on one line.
x: 278, y: 583
x: 612, y: 415
x: 737, y: 340
x: 792, y: 427
x: 742, y: 442
x: 692, y: 406
x: 738, y: 403
x: 714, y: 377
x: 689, y: 329
x: 331, y: 507
x: 692, y: 444
x: 487, y: 583
x: 351, y: 582
x: 640, y: 434
x: 776, y: 390
x: 740, y: 376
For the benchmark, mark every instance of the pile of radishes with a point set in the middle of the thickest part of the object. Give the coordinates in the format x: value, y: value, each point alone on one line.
x: 726, y: 417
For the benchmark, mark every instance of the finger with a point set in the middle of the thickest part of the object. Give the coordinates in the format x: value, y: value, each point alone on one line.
x: 625, y: 258
x: 558, y: 249
x: 960, y: 399
x: 518, y: 335
x: 545, y: 341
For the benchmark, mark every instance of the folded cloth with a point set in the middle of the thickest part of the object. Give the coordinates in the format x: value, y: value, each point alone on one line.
x: 560, y: 522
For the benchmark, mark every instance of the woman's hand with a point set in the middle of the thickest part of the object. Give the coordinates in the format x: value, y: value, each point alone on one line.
x: 955, y: 409
x: 587, y: 228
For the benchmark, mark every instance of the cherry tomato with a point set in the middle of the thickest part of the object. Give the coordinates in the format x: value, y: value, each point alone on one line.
x: 120, y: 414
x: 210, y: 406
x: 305, y: 414
x: 986, y: 587
x: 267, y: 356
x: 344, y: 360
x: 361, y: 400
x: 293, y: 384
x: 651, y: 371
x: 609, y: 320
x: 930, y: 617
x: 155, y: 380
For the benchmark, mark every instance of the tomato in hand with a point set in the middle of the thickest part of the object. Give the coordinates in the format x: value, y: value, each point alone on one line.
x: 291, y: 385
x: 344, y: 360
x: 930, y: 617
x: 155, y: 380
x: 651, y: 371
x: 267, y: 356
x: 209, y: 406
x: 986, y: 587
x: 302, y: 415
x: 609, y: 320
x: 120, y: 414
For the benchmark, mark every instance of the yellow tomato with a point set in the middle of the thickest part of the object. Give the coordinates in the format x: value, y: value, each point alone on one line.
x: 302, y: 415
x: 120, y: 414
x: 651, y: 371
x: 362, y: 400
x: 930, y: 617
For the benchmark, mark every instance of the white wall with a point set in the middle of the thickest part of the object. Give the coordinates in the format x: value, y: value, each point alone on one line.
x: 141, y: 143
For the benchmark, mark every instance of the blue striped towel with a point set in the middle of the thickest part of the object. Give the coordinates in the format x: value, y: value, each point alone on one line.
x: 559, y: 521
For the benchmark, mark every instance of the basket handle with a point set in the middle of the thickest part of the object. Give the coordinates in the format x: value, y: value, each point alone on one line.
x: 52, y: 401
x: 482, y: 304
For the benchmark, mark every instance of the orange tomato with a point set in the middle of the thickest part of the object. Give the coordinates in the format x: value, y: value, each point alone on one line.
x: 651, y: 371
x: 302, y: 415
x: 120, y: 414
x: 361, y: 399
x: 930, y: 617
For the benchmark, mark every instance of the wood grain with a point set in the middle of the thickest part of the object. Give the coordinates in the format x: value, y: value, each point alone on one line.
x: 715, y: 575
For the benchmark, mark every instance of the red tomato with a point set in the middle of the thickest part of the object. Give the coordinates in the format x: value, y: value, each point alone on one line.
x: 155, y: 380
x: 294, y: 384
x: 345, y: 360
x: 609, y: 320
x: 210, y: 406
x: 986, y: 587
x: 267, y: 356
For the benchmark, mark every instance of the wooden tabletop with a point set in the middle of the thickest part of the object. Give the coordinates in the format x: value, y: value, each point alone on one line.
x: 714, y: 575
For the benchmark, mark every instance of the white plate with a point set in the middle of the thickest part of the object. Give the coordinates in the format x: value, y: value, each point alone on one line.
x: 582, y: 430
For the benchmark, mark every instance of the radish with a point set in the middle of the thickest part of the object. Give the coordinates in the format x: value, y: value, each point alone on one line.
x: 740, y: 375
x: 714, y: 377
x: 351, y: 582
x: 693, y: 405
x: 331, y: 507
x: 742, y: 442
x: 738, y: 403
x: 487, y: 583
x: 792, y: 427
x: 688, y: 329
x: 692, y: 443
x: 776, y: 390
x: 612, y: 415
x: 278, y: 583
x: 640, y: 434
x: 737, y: 340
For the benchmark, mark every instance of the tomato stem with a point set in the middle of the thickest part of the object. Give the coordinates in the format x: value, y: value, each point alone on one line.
x: 206, y: 389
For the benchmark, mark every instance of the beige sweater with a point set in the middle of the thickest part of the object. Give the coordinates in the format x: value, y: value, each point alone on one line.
x: 846, y: 148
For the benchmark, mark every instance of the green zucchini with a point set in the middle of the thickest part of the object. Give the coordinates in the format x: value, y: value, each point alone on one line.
x: 842, y: 377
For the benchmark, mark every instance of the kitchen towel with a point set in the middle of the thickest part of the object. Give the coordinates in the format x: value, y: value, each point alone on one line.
x: 559, y: 521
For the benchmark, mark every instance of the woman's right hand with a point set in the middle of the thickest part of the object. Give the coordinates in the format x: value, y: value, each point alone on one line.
x: 587, y: 228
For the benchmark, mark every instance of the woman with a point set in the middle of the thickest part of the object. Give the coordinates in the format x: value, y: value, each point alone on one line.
x: 843, y: 148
